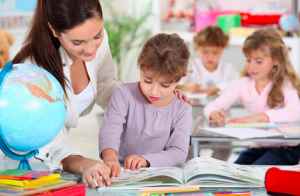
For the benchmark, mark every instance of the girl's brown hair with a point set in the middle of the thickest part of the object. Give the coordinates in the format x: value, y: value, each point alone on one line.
x: 211, y: 36
x: 271, y: 43
x: 40, y: 46
x: 165, y: 55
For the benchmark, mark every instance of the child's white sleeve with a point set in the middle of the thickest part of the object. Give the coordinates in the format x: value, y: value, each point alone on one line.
x: 230, y: 76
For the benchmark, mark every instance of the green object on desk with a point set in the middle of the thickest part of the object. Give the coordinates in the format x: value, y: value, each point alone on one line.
x: 223, y: 117
x: 226, y: 22
x: 180, y: 87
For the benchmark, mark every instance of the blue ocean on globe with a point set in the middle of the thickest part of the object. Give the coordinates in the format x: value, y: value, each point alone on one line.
x: 288, y: 23
x: 32, y: 108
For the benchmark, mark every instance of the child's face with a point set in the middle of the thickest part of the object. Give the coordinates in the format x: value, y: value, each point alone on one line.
x: 157, y: 90
x: 210, y: 56
x: 259, y: 65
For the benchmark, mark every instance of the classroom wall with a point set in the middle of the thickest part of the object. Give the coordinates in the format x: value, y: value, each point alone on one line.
x: 17, y: 5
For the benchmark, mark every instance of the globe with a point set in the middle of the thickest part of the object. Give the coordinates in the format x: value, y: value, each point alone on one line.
x: 288, y: 23
x: 33, y: 107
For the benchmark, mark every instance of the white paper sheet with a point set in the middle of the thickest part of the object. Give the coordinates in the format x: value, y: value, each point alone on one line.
x: 244, y: 133
x: 196, y: 95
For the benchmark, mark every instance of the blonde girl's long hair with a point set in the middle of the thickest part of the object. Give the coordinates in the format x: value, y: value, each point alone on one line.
x: 271, y: 43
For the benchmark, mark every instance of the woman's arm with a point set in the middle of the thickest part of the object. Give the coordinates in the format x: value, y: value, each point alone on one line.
x: 90, y: 169
x: 59, y: 155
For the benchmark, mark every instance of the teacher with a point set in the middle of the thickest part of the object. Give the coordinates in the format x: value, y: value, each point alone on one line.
x: 67, y: 38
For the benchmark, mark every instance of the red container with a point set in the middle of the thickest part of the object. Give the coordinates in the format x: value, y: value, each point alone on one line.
x: 259, y: 19
x: 282, y: 182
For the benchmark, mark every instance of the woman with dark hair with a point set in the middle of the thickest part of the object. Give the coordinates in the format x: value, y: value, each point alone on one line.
x: 67, y: 38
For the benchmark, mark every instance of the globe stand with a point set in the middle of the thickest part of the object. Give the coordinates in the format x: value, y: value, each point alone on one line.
x: 22, y: 158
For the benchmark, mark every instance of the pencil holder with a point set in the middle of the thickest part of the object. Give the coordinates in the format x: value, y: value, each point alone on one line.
x: 282, y: 182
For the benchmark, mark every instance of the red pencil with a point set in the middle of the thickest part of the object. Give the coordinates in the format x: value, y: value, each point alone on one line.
x: 15, y: 177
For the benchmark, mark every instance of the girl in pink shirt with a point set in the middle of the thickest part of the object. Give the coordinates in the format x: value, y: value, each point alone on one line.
x: 270, y: 92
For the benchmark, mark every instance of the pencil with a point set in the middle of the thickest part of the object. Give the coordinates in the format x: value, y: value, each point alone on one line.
x: 223, y: 117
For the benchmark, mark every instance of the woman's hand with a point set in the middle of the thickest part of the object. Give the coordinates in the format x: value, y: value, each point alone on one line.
x: 115, y: 168
x: 261, y: 117
x: 218, y: 116
x: 181, y: 95
x: 94, y: 169
x: 135, y: 162
x: 90, y: 169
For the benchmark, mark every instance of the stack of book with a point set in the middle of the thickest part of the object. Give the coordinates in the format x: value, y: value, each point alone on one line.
x: 25, y: 182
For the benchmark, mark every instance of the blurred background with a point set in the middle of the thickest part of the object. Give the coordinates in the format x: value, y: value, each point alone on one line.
x: 129, y: 23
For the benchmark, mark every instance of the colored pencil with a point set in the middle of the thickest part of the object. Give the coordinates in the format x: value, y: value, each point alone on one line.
x: 235, y: 192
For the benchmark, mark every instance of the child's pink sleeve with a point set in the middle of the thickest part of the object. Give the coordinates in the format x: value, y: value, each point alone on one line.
x: 291, y: 110
x: 227, y: 99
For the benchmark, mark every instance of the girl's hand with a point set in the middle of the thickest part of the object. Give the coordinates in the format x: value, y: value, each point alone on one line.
x: 114, y: 167
x: 181, y: 95
x: 218, y: 116
x: 261, y: 117
x: 94, y: 169
x: 135, y: 162
x: 210, y: 90
x: 193, y: 87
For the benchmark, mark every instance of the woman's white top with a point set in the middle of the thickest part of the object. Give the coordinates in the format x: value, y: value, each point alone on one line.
x: 85, y: 98
x: 224, y: 76
x: 102, y: 78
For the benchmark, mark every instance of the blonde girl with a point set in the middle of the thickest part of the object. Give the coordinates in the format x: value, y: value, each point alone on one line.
x: 270, y: 91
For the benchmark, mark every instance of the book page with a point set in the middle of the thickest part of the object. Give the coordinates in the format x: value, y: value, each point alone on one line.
x: 285, y: 168
x: 290, y: 132
x: 149, y: 176
x: 207, y: 169
x: 195, y: 95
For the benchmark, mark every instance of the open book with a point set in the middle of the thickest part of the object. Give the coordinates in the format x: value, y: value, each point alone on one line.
x: 200, y: 171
